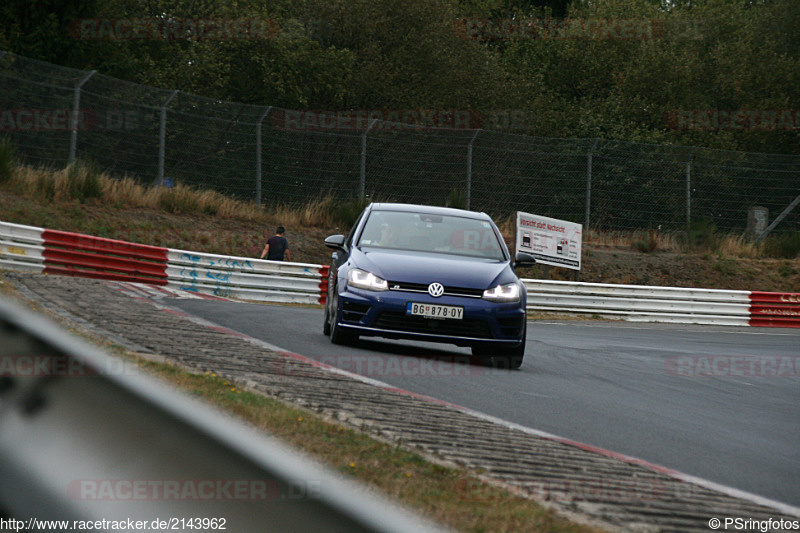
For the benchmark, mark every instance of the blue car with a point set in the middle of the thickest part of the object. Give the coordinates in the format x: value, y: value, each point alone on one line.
x: 431, y: 274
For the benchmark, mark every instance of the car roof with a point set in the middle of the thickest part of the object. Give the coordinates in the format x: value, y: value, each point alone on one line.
x: 430, y: 209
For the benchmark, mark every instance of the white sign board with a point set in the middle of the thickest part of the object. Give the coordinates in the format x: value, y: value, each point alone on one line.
x: 550, y: 241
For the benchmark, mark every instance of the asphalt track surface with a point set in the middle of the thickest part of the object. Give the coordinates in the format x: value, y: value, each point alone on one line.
x: 720, y: 403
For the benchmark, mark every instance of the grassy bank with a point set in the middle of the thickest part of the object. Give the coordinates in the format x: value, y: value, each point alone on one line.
x: 82, y: 199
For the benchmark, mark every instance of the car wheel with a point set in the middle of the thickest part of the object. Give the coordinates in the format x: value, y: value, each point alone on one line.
x: 497, y: 357
x: 339, y: 335
x: 326, y: 324
x: 512, y: 357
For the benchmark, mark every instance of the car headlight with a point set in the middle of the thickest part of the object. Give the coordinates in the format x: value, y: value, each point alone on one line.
x: 502, y: 293
x: 366, y: 280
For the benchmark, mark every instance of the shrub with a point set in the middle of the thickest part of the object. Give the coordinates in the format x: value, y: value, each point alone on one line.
x: 346, y: 213
x: 646, y: 243
x: 457, y: 199
x: 83, y: 181
x: 8, y: 160
x: 784, y: 245
x: 702, y: 234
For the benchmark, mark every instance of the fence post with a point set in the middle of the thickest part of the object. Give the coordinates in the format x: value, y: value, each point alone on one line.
x: 258, y: 155
x: 73, y: 119
x: 363, y: 174
x: 469, y: 169
x: 589, y: 185
x: 162, y: 142
x: 689, y: 193
x: 778, y: 219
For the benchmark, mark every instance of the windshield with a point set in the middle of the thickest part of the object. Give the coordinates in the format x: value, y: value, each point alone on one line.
x: 423, y: 232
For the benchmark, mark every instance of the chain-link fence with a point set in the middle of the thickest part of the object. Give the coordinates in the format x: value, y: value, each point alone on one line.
x: 54, y: 114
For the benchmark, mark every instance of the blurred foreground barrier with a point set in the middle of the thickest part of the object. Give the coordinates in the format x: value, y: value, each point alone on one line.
x: 85, y: 437
x: 57, y: 252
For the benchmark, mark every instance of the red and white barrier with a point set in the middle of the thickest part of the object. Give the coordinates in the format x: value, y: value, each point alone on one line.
x: 74, y: 254
x: 775, y: 309
x: 59, y: 252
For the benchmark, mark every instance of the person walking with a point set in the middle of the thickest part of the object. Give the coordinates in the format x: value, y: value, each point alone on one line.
x: 277, y: 247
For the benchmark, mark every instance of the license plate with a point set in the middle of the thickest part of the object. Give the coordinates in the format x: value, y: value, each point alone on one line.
x: 435, y: 311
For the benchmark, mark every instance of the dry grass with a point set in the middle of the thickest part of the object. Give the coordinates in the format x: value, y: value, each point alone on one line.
x: 83, y: 182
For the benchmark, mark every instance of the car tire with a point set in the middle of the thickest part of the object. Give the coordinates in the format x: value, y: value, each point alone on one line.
x: 338, y: 334
x: 509, y: 358
x: 326, y: 324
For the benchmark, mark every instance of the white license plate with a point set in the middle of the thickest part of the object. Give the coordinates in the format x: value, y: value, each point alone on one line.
x: 435, y: 311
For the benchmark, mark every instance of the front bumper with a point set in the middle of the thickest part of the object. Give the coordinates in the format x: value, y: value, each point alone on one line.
x: 383, y: 314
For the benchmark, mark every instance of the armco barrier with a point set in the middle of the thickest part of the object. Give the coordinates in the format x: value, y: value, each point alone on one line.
x: 57, y: 252
x: 775, y: 309
x: 73, y: 254
x: 641, y: 303
x: 21, y: 247
x: 248, y: 279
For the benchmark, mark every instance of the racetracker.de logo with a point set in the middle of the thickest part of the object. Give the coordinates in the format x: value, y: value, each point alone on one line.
x: 172, y: 29
x: 548, y: 29
x: 190, y: 490
x: 382, y: 367
x: 361, y: 120
x: 40, y: 119
x: 772, y: 366
x: 734, y: 120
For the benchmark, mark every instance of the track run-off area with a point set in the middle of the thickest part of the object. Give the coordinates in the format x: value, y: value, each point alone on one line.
x: 664, y: 426
x: 721, y: 403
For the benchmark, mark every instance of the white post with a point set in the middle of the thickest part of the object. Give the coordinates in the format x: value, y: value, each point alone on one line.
x: 469, y: 169
x: 258, y: 155
x: 589, y: 185
x: 162, y: 142
x: 73, y: 119
x: 363, y: 177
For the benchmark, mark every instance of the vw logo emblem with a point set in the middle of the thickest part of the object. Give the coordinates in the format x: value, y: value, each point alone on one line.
x: 435, y: 289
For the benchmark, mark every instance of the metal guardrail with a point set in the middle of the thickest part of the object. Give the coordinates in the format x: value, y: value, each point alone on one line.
x: 21, y: 247
x: 30, y: 248
x: 86, y: 437
x: 73, y: 254
x: 641, y: 303
x: 247, y: 279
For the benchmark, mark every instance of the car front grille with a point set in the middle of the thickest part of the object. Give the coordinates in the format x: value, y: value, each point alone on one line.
x: 423, y: 288
x: 468, y: 327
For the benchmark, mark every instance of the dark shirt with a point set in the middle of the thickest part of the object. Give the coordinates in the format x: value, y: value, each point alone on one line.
x: 277, y: 246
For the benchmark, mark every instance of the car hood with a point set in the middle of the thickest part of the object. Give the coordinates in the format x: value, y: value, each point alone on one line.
x: 421, y: 267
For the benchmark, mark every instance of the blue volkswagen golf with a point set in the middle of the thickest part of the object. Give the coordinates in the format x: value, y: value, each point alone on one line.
x: 427, y: 273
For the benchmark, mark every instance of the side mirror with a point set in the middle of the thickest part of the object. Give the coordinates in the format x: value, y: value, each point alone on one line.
x: 524, y: 260
x: 335, y: 242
